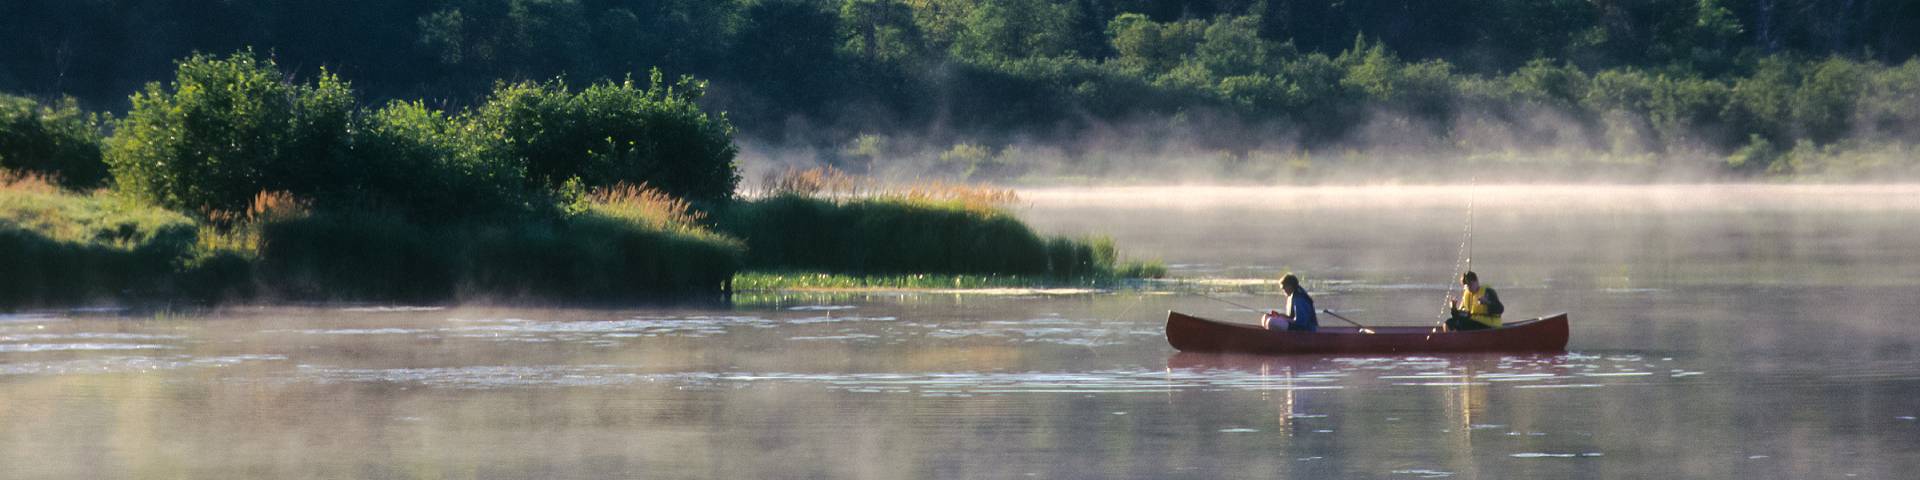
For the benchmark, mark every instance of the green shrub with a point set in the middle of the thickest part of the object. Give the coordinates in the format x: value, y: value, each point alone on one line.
x: 433, y: 167
x: 57, y: 140
x: 228, y: 128
x: 614, y: 133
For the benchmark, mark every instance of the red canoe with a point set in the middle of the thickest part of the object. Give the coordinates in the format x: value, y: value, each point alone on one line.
x: 1194, y: 334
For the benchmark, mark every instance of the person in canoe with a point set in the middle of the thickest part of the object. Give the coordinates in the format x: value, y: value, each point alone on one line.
x: 1299, y: 316
x: 1479, y: 306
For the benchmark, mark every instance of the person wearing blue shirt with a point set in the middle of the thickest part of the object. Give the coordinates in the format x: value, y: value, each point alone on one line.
x: 1300, y: 315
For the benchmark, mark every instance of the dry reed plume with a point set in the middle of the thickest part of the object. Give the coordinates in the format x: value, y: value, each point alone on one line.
x: 645, y: 204
x: 27, y: 182
x: 832, y: 183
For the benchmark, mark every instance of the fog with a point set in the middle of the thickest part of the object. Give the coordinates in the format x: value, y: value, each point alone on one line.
x: 1476, y: 140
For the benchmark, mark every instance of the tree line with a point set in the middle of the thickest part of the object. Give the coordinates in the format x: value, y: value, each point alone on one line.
x: 1747, y: 82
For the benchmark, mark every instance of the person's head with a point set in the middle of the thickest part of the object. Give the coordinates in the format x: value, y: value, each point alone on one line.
x: 1289, y: 283
x: 1471, y: 281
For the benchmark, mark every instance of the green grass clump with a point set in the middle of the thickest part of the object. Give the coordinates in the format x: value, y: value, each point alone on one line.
x: 59, y: 247
x: 900, y: 235
x: 583, y: 257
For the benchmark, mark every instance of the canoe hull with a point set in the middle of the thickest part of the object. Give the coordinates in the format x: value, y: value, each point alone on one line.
x: 1194, y: 334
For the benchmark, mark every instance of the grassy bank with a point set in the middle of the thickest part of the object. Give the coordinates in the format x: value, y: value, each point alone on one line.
x: 66, y: 248
x: 586, y: 257
x: 61, y: 248
x: 889, y: 235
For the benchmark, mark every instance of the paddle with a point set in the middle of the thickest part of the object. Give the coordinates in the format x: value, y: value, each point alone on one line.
x: 1363, y: 328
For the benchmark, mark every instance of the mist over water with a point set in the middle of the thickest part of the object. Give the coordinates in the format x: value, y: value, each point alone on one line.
x: 1718, y: 331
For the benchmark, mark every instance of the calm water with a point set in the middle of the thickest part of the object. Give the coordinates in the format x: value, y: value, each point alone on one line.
x: 1727, y: 332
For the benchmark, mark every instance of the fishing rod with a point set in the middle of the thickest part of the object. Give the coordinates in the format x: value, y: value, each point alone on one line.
x: 1464, y: 254
x: 1363, y: 328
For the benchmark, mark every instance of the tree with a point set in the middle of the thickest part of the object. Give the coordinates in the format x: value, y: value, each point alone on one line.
x: 998, y: 30
x: 788, y: 50
x: 881, y: 30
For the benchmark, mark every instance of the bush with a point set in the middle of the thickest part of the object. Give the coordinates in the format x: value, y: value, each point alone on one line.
x: 57, y: 140
x: 228, y: 128
x: 613, y: 133
x: 432, y: 167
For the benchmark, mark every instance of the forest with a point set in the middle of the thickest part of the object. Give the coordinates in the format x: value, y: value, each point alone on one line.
x: 1000, y: 89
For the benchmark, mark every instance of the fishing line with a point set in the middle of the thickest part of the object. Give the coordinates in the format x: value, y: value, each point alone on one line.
x: 1463, y: 257
x: 1229, y: 302
x: 1116, y: 319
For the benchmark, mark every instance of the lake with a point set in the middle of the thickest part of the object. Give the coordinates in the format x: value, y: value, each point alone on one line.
x: 1717, y: 331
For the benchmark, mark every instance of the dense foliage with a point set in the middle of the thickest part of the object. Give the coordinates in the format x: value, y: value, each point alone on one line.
x: 294, y: 190
x: 57, y: 140
x: 228, y: 128
x: 1626, y: 78
x: 613, y: 133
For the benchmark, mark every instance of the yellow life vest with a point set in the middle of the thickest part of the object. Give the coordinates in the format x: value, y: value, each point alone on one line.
x: 1470, y: 302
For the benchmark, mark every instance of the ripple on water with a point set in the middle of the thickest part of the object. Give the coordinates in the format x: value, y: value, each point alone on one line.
x: 393, y: 309
x: 1332, y: 374
x: 27, y: 337
x: 7, y: 318
x: 1049, y: 330
x: 838, y: 319
x: 689, y: 326
x: 1555, y: 455
x: 128, y: 364
x: 354, y: 331
x: 75, y: 347
x: 932, y: 384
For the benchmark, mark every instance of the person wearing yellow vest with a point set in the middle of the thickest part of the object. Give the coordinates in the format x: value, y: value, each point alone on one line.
x: 1479, y: 306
